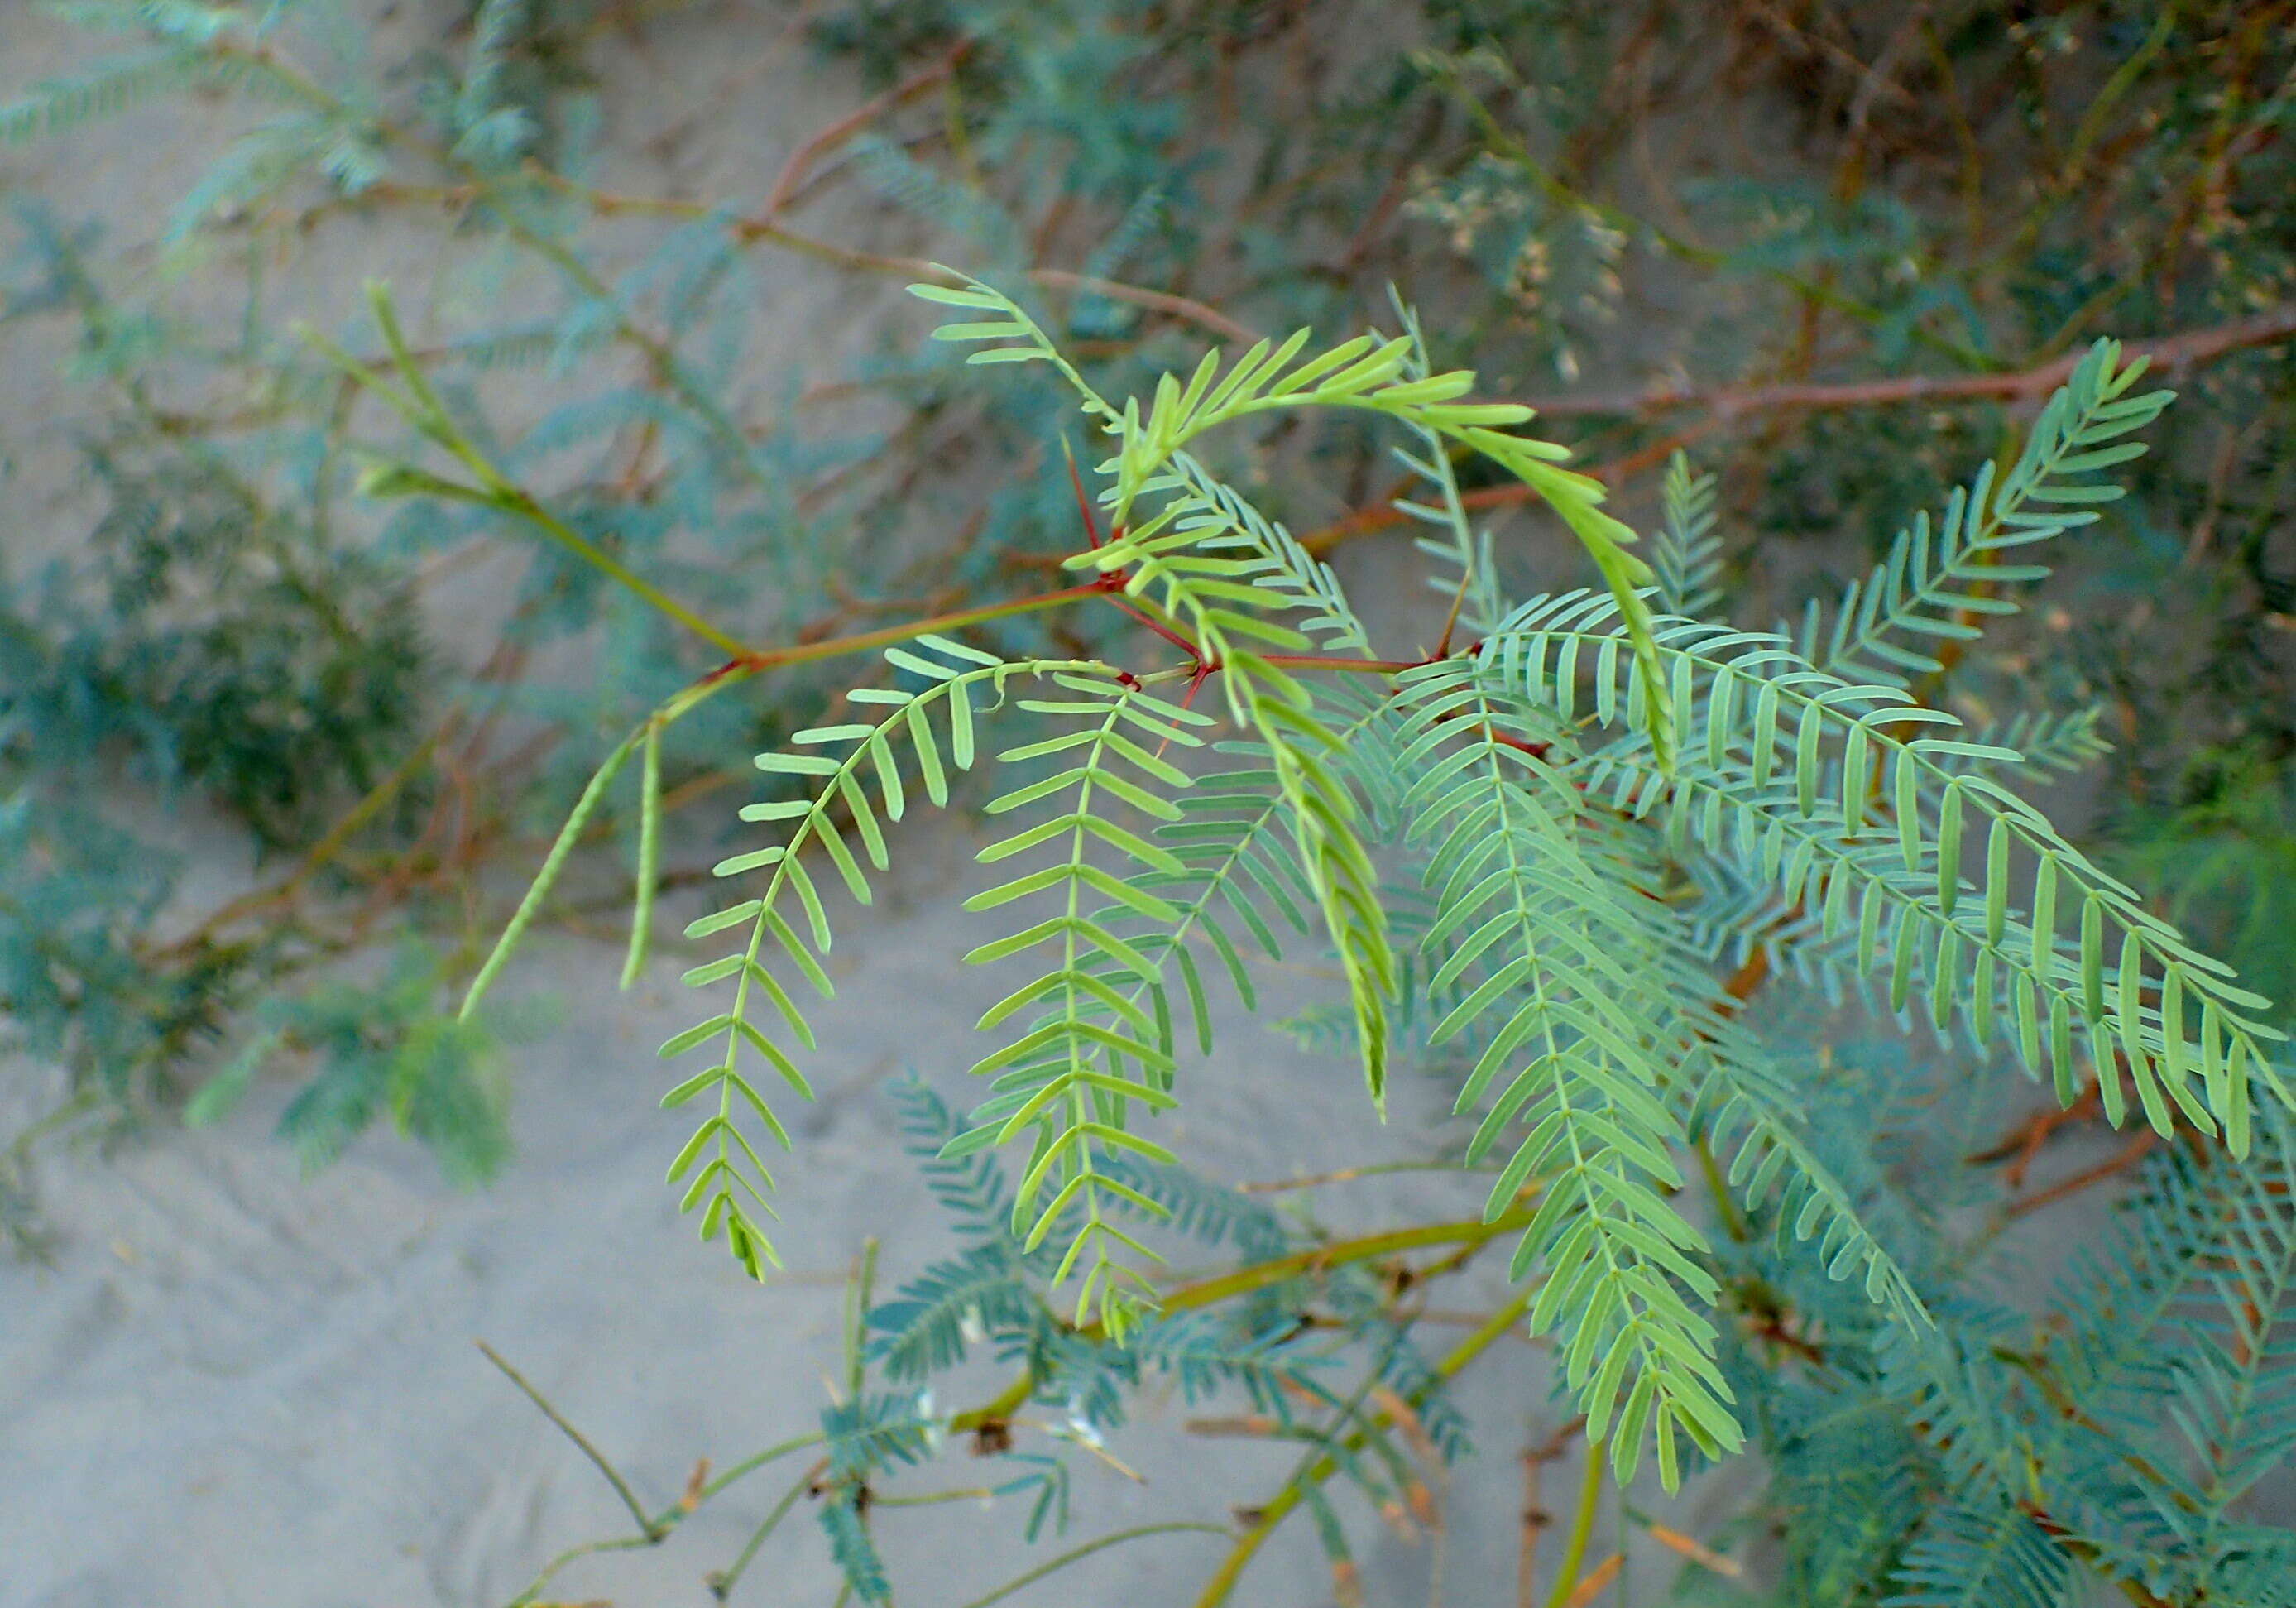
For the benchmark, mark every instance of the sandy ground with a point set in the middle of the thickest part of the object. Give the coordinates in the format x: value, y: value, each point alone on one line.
x: 236, y: 1387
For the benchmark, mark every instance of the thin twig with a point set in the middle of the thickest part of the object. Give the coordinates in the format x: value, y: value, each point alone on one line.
x: 1222, y: 1584
x: 1598, y: 1577
x: 1728, y: 403
x: 858, y: 1289
x: 721, y: 1584
x: 654, y: 1529
x: 531, y: 1596
x: 700, y: 1488
x: 1582, y: 1527
x: 1536, y: 1519
x: 1162, y: 302
x: 2170, y: 353
x: 983, y: 1494
x: 321, y: 853
x: 1075, y: 1552
x: 2140, y: 1145
x: 2022, y: 1147
x: 1258, y: 1275
x: 750, y: 1465
x: 1685, y: 1547
x: 1346, y: 1174
x: 1254, y: 1426
x: 801, y: 160
x: 517, y: 500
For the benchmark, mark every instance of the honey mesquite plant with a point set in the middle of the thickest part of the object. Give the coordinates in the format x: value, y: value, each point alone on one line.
x: 1846, y: 326
x: 1599, y: 795
x: 1624, y: 898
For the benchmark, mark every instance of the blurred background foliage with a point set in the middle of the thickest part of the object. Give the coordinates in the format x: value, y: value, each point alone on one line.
x: 1834, y: 247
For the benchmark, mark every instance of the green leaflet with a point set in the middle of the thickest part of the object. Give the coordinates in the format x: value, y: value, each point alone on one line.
x: 1939, y: 947
x: 1577, y: 1002
x: 1928, y: 580
x: 1474, y: 594
x: 845, y: 762
x: 1091, y: 1053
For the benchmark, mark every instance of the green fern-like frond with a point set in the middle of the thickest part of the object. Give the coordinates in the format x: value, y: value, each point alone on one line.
x: 1006, y: 334
x: 854, y: 1550
x: 1323, y: 814
x: 257, y: 166
x: 971, y: 1189
x: 185, y: 21
x: 1363, y: 373
x: 1092, y: 1053
x: 1209, y: 1213
x: 1456, y: 546
x: 57, y: 106
x: 491, y: 129
x: 1926, y: 584
x: 2233, y: 1367
x: 863, y: 1435
x: 1686, y: 555
x: 1166, y: 561
x: 1234, y: 876
x: 1992, y: 1557
x: 2171, y: 1334
x: 1574, y: 973
x: 1750, y: 1117
x: 1221, y: 521
x: 1785, y: 778
x: 858, y: 769
x: 2048, y: 742
x: 1220, y: 616
x: 926, y: 1328
x: 1240, y: 890
x: 964, y: 211
x: 1216, y: 872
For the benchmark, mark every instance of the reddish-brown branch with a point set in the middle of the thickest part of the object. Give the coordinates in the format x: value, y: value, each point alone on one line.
x: 764, y: 228
x: 1772, y: 1329
x: 1598, y: 1580
x: 1536, y: 1518
x: 1695, y: 1550
x: 2022, y: 1147
x: 2071, y: 1540
x: 2170, y: 353
x: 1083, y: 501
x: 1749, y: 976
x: 1255, y: 1425
x: 1108, y: 587
x: 1162, y: 301
x: 861, y: 642
x: 2140, y: 1145
x: 827, y: 139
x: 1724, y: 404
